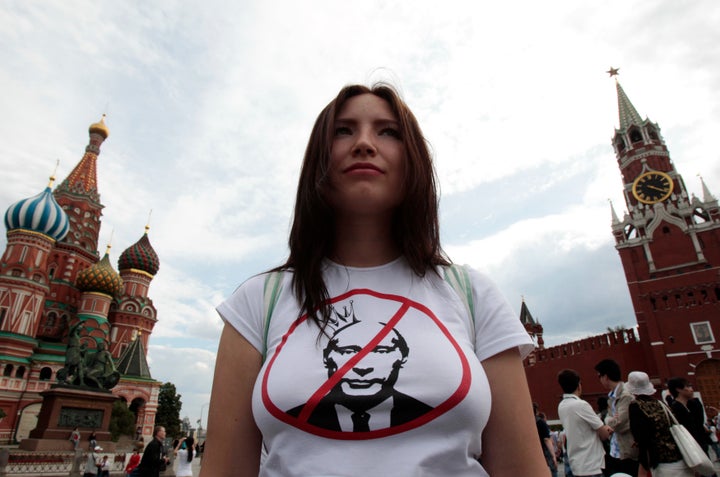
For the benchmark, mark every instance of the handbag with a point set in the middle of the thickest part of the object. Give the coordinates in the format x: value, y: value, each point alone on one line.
x: 693, y: 455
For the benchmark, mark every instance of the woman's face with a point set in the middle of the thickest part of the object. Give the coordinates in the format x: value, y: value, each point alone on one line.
x: 367, y: 160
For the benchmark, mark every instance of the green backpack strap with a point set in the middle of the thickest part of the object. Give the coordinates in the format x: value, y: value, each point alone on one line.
x: 458, y: 277
x: 271, y: 294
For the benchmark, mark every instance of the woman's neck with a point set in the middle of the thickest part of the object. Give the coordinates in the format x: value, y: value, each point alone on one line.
x: 364, y: 242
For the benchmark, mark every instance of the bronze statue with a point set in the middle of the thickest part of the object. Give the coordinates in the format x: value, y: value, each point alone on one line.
x: 84, y: 368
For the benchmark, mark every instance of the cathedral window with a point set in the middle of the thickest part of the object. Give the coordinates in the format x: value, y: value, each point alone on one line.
x: 16, y: 273
x: 23, y: 253
x: 653, y: 303
x: 20, y: 373
x: 666, y: 230
x: 3, y: 312
x: 45, y: 374
x: 8, y: 370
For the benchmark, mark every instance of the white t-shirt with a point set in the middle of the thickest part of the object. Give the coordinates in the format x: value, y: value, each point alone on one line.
x: 394, y: 389
x: 584, y: 447
x: 183, y: 468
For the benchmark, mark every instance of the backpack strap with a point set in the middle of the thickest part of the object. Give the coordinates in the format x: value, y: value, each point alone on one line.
x: 458, y: 277
x: 271, y: 294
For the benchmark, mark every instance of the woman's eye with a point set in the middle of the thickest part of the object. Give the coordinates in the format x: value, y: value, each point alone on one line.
x: 343, y: 131
x: 392, y: 132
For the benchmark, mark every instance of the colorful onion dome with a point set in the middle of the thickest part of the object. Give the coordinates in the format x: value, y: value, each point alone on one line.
x: 40, y: 213
x: 100, y: 278
x: 140, y: 256
x: 100, y: 128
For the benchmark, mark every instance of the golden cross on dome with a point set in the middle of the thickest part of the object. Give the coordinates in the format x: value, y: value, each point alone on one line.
x: 613, y: 71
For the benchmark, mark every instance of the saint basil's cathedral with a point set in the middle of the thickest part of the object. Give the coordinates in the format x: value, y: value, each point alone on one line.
x: 52, y: 278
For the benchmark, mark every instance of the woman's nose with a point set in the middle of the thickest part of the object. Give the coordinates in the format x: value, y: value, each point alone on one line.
x: 364, y: 146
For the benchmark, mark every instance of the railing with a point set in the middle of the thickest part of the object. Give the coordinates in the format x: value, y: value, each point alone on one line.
x: 52, y: 463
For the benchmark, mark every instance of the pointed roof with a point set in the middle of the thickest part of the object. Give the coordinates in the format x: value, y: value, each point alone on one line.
x: 707, y: 195
x: 133, y: 361
x: 627, y: 112
x: 525, y: 316
x: 615, y: 219
x: 83, y: 178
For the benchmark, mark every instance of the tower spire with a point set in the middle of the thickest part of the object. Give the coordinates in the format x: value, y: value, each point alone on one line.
x: 615, y: 219
x: 626, y: 111
x: 707, y: 195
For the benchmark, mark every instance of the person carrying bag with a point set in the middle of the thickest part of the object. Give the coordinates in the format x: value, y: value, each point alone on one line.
x: 692, y: 453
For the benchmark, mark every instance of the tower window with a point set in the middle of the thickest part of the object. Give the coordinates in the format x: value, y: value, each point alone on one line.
x: 666, y: 230
x: 20, y: 372
x: 653, y: 134
x: 8, y: 370
x: 635, y: 136
x: 620, y: 144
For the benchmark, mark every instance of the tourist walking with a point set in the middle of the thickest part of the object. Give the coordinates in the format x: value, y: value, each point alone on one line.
x: 366, y: 353
x: 154, y: 459
x: 650, y: 426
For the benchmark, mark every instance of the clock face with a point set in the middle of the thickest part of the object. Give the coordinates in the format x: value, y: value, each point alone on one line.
x: 652, y: 187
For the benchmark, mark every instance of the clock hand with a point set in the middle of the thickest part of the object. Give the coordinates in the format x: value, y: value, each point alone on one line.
x: 655, y: 188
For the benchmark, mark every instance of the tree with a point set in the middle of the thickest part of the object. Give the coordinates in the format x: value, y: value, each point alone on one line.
x: 168, y: 412
x: 122, y: 421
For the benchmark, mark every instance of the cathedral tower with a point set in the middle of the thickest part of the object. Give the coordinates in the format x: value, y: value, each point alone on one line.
x: 669, y: 245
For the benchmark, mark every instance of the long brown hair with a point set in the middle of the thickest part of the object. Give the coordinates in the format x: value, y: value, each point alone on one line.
x: 415, y: 226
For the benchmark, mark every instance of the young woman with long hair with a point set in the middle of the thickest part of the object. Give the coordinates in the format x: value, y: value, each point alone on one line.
x: 361, y: 354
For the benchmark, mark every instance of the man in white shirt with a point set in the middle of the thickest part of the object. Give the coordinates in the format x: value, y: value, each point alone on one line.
x: 583, y: 428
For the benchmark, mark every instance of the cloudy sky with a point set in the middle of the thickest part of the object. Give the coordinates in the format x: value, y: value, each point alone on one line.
x: 210, y: 105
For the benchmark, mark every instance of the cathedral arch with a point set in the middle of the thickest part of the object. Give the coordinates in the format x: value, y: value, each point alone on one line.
x: 20, y: 373
x: 8, y: 370
x: 45, y: 373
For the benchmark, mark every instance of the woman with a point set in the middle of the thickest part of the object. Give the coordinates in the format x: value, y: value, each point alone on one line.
x: 133, y: 461
x: 184, y: 452
x: 650, y: 425
x: 360, y: 358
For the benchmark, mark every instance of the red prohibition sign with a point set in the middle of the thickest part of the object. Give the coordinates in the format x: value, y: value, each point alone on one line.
x: 301, y: 421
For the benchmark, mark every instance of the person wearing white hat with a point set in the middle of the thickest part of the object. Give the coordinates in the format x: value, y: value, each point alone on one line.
x: 650, y: 426
x: 91, y: 469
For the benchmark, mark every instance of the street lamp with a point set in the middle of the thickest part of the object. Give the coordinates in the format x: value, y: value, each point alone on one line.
x: 201, y: 414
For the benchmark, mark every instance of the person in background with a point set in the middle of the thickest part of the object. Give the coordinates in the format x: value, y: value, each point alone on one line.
x: 623, y: 455
x: 365, y: 237
x: 133, y: 462
x: 650, y: 426
x: 185, y: 452
x: 689, y: 411
x: 104, y: 467
x: 584, y: 429
x: 153, y: 458
x: 75, y: 438
x: 714, y: 441
x: 546, y: 442
x: 92, y: 439
x: 91, y: 463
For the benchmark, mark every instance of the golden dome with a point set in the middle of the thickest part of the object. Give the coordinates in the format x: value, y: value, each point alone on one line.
x: 100, y: 128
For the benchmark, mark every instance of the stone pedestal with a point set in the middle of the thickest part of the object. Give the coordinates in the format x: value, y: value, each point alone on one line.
x: 67, y: 407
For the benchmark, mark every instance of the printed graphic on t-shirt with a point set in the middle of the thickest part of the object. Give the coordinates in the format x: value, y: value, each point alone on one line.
x: 380, y: 354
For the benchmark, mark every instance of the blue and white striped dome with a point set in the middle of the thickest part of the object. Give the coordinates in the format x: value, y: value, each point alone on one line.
x: 40, y: 213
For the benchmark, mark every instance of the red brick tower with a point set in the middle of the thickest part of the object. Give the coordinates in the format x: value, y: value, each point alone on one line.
x: 669, y: 245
